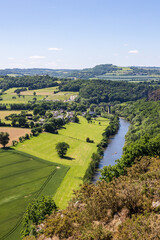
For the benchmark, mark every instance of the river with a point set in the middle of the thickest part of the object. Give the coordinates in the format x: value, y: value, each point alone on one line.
x: 114, y: 149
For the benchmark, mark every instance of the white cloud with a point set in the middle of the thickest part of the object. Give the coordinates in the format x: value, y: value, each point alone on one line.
x: 133, y: 52
x: 37, y: 57
x: 55, y: 49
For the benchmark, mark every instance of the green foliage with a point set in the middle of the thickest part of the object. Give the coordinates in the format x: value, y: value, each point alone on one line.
x: 32, y: 82
x: 4, y: 138
x: 62, y: 148
x: 36, y: 212
x: 97, y: 91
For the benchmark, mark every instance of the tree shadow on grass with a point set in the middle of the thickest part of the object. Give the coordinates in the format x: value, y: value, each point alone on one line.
x: 7, y: 148
x: 68, y: 158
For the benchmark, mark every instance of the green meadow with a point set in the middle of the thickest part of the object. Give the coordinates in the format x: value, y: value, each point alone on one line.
x: 78, y: 155
x: 24, y: 177
x: 10, y: 97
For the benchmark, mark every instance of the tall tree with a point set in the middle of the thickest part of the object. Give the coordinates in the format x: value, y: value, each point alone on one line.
x: 4, y: 138
x: 62, y: 148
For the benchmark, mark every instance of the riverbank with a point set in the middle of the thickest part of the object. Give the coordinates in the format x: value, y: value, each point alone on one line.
x: 96, y: 157
x: 114, y: 149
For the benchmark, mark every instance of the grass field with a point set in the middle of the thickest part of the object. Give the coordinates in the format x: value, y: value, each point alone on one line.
x: 14, y: 133
x: 79, y: 154
x: 22, y: 177
x: 43, y: 91
x: 8, y: 98
x: 47, y: 93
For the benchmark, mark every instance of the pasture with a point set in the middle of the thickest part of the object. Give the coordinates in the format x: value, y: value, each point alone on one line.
x: 49, y: 94
x: 78, y: 155
x: 14, y: 133
x: 43, y: 91
x: 10, y: 97
x: 22, y: 178
x: 14, y: 98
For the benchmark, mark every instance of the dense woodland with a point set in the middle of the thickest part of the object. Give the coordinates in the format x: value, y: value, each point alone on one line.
x: 96, y: 91
x: 32, y: 82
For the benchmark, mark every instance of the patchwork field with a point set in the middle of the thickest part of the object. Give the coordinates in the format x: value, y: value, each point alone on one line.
x: 22, y: 178
x: 14, y: 133
x: 78, y: 155
x: 44, y: 91
x: 11, y: 97
x: 50, y: 95
x: 8, y: 98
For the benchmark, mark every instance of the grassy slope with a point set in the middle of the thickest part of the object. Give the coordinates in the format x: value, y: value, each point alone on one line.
x: 80, y: 153
x: 21, y: 177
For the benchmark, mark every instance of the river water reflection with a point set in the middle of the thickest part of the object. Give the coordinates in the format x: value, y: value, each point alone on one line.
x: 115, y: 148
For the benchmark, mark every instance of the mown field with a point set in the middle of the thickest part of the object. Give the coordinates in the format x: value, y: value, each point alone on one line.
x: 22, y: 178
x: 78, y: 155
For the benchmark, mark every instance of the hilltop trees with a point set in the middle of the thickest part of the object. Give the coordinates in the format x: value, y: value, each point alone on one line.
x: 4, y: 138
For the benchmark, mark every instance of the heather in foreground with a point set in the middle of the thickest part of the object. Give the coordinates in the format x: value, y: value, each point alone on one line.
x: 126, y: 208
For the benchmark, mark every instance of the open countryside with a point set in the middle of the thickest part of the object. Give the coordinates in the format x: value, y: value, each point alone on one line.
x: 75, y: 135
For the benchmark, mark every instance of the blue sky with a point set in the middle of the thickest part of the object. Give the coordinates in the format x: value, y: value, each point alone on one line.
x: 79, y: 33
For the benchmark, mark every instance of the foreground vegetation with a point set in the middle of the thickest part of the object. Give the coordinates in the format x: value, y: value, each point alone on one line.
x: 24, y: 177
x: 126, y: 208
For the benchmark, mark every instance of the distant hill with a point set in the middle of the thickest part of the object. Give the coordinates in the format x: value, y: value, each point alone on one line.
x: 103, y: 71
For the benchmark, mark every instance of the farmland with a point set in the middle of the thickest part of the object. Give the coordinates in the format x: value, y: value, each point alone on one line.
x: 22, y: 178
x: 77, y: 159
x: 49, y: 93
x: 14, y: 133
x: 3, y: 114
x: 10, y: 97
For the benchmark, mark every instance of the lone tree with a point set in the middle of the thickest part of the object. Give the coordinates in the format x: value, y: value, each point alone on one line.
x: 62, y: 148
x: 4, y: 138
